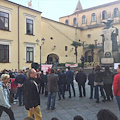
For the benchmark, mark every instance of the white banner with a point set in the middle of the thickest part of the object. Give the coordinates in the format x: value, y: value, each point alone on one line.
x: 116, y: 65
x: 74, y: 65
x: 45, y: 67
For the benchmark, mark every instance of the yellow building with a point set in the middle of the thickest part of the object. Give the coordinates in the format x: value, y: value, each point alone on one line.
x: 21, y: 26
x: 89, y: 21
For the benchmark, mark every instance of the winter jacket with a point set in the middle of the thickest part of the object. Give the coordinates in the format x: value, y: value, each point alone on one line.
x: 116, y: 85
x: 52, y: 84
x: 4, y: 96
x: 31, y: 94
x: 91, y: 79
x: 81, y: 78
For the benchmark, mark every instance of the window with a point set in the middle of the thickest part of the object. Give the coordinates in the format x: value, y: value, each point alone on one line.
x: 104, y: 15
x: 116, y: 12
x: 65, y: 48
x: 66, y: 22
x: 74, y: 21
x: 29, y: 54
x: 29, y: 26
x: 4, y: 21
x: 83, y: 19
x: 93, y: 17
x: 4, y: 53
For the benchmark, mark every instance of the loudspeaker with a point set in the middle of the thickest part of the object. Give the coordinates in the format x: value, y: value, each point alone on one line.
x: 35, y: 65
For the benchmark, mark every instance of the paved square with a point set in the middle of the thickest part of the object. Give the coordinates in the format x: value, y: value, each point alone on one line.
x: 68, y: 108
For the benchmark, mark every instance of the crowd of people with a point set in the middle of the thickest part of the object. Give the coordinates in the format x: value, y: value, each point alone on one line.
x: 26, y: 87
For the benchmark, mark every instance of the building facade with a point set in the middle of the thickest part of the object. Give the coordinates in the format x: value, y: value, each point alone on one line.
x: 90, y: 22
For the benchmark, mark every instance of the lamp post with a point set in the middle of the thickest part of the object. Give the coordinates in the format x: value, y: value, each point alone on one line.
x: 40, y: 45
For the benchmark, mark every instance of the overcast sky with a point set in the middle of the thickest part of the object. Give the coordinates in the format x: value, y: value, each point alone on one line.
x: 54, y: 9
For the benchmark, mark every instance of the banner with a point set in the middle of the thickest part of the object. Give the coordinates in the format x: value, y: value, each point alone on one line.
x: 45, y: 67
x: 116, y: 65
x: 74, y: 65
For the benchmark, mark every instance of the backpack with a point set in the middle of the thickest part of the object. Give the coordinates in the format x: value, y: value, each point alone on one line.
x: 98, y: 77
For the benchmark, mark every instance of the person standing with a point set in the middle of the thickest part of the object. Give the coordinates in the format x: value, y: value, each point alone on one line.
x: 31, y: 95
x: 42, y: 77
x: 99, y: 84
x: 116, y: 86
x: 91, y: 79
x: 82, y: 61
x: 70, y: 78
x: 52, y: 86
x: 81, y: 80
x: 108, y: 80
x: 4, y: 97
x: 19, y: 80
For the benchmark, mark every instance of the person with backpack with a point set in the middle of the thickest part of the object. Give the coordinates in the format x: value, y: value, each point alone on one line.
x: 98, y: 83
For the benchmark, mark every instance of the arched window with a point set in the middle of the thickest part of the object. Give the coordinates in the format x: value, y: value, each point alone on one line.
x: 93, y: 17
x: 74, y: 21
x: 66, y: 22
x: 83, y: 19
x: 116, y: 12
x: 104, y: 15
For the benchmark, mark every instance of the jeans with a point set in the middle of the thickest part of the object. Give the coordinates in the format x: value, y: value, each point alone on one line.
x: 97, y: 91
x: 51, y: 100
x: 80, y: 90
x: 20, y: 96
x: 91, y: 91
x: 118, y: 101
x: 61, y: 91
x: 69, y: 89
x: 8, y: 111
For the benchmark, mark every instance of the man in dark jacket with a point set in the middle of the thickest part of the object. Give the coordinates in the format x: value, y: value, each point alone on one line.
x: 81, y: 79
x: 19, y: 80
x: 31, y: 94
x: 91, y: 79
x: 52, y: 86
x: 70, y: 78
x: 61, y: 84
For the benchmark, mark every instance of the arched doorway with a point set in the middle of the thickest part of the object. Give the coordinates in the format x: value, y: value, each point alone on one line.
x: 88, y: 56
x: 51, y: 58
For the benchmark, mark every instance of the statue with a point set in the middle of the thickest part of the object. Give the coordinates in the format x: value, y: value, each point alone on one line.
x: 109, y: 36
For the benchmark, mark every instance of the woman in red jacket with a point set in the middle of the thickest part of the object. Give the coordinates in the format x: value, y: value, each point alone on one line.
x: 116, y: 86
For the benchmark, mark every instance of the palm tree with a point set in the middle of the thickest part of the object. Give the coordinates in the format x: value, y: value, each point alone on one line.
x: 76, y: 45
x: 92, y: 46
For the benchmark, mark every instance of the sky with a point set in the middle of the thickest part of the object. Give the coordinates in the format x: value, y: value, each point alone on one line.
x: 54, y: 9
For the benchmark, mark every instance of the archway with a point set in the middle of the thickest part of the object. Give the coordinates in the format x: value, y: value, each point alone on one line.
x: 88, y: 56
x: 51, y: 58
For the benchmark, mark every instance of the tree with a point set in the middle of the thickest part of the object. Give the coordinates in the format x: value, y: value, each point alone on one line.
x: 92, y: 46
x: 76, y: 45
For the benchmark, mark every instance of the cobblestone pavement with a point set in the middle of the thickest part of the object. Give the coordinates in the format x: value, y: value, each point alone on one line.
x: 68, y: 108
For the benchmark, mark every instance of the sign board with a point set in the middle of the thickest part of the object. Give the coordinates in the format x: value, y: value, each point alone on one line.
x: 116, y: 65
x: 107, y: 60
x: 45, y: 67
x: 74, y: 65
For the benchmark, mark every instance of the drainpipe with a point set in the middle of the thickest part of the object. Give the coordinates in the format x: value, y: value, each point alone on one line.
x: 18, y: 42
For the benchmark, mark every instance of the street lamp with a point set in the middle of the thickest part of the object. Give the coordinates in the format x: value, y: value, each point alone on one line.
x: 42, y: 42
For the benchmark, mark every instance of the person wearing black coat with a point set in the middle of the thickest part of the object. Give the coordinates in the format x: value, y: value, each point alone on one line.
x: 32, y: 97
x: 61, y: 84
x: 81, y: 80
x: 91, y: 79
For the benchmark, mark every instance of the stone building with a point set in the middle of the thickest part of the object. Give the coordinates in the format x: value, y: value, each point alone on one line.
x: 21, y: 26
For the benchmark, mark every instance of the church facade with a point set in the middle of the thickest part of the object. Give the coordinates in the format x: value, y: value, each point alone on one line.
x: 22, y: 30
